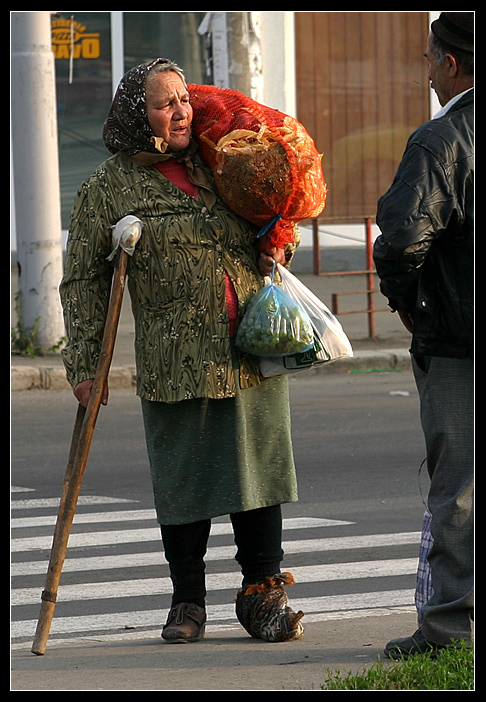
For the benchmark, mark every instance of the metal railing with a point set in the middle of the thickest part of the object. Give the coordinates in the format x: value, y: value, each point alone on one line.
x: 369, y: 272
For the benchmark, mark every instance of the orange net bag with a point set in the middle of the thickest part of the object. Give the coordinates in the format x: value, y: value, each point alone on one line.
x: 265, y: 164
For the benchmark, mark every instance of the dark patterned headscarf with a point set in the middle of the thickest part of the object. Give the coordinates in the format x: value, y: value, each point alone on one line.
x: 127, y: 128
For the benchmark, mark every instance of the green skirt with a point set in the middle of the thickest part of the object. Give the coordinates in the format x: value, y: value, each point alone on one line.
x: 213, y: 457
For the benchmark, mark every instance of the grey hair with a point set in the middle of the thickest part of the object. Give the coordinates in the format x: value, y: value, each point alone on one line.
x: 162, y: 65
x: 464, y: 59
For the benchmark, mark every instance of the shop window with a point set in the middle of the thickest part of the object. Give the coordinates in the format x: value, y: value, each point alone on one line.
x: 81, y: 43
x: 173, y: 35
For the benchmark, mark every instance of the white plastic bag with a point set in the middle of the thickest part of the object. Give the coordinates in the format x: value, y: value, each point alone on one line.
x: 330, y: 341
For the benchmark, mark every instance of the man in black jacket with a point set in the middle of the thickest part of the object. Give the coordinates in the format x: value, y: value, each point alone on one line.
x: 424, y: 257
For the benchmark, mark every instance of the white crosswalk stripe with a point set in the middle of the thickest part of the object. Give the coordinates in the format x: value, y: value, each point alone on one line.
x: 217, y: 553
x: 124, y: 605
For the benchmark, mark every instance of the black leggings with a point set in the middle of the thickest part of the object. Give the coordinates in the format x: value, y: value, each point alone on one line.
x: 258, y: 538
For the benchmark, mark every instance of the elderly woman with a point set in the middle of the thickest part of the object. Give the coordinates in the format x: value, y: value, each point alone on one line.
x: 217, y: 433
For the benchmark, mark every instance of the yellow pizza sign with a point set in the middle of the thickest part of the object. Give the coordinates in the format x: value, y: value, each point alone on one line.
x: 70, y: 39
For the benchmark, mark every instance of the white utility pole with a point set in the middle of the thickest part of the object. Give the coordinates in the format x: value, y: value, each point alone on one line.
x: 36, y: 176
x: 232, y: 51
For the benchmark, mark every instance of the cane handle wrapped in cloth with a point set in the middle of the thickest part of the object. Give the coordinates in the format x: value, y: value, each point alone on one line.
x: 125, y: 235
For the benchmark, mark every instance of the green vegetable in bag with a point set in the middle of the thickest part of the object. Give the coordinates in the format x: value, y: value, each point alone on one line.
x: 274, y: 325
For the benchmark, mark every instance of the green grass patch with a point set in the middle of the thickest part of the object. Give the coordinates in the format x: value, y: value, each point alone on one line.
x: 452, y: 669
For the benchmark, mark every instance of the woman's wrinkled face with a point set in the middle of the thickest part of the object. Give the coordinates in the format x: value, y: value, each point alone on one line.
x: 168, y: 109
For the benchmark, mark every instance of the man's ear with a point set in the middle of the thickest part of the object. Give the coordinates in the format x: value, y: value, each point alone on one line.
x: 452, y: 64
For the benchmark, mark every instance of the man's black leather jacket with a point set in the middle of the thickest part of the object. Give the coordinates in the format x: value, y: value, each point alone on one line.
x: 424, y: 255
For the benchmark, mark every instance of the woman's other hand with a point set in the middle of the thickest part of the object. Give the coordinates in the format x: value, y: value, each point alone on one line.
x: 265, y: 264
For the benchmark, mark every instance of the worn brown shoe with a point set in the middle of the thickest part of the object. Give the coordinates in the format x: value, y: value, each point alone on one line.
x: 186, y: 622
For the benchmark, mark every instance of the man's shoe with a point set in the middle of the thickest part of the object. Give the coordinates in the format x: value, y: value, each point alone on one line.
x: 399, y: 649
x: 262, y: 609
x: 186, y: 623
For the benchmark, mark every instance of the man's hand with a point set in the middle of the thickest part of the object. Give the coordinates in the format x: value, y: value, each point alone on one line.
x: 82, y: 392
x: 265, y: 264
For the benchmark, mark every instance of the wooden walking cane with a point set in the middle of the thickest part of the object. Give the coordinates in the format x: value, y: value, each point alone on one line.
x: 125, y: 236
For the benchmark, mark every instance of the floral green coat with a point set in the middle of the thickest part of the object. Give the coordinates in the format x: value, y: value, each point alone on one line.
x: 176, y: 279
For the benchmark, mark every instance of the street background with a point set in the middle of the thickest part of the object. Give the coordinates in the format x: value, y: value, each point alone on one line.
x: 352, y: 539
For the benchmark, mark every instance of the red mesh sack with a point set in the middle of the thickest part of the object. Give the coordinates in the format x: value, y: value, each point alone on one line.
x: 265, y: 164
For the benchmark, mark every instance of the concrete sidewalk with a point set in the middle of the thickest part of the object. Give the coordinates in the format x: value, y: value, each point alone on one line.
x: 387, y: 351
x: 227, y: 659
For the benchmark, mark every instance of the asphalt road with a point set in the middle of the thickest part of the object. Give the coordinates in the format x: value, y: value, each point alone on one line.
x: 357, y: 443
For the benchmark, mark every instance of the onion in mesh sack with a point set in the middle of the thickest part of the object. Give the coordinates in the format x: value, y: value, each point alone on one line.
x: 265, y: 164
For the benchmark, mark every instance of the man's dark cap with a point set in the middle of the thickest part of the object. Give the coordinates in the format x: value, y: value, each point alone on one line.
x: 455, y: 29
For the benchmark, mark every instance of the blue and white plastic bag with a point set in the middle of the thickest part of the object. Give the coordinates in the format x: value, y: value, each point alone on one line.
x: 274, y: 324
